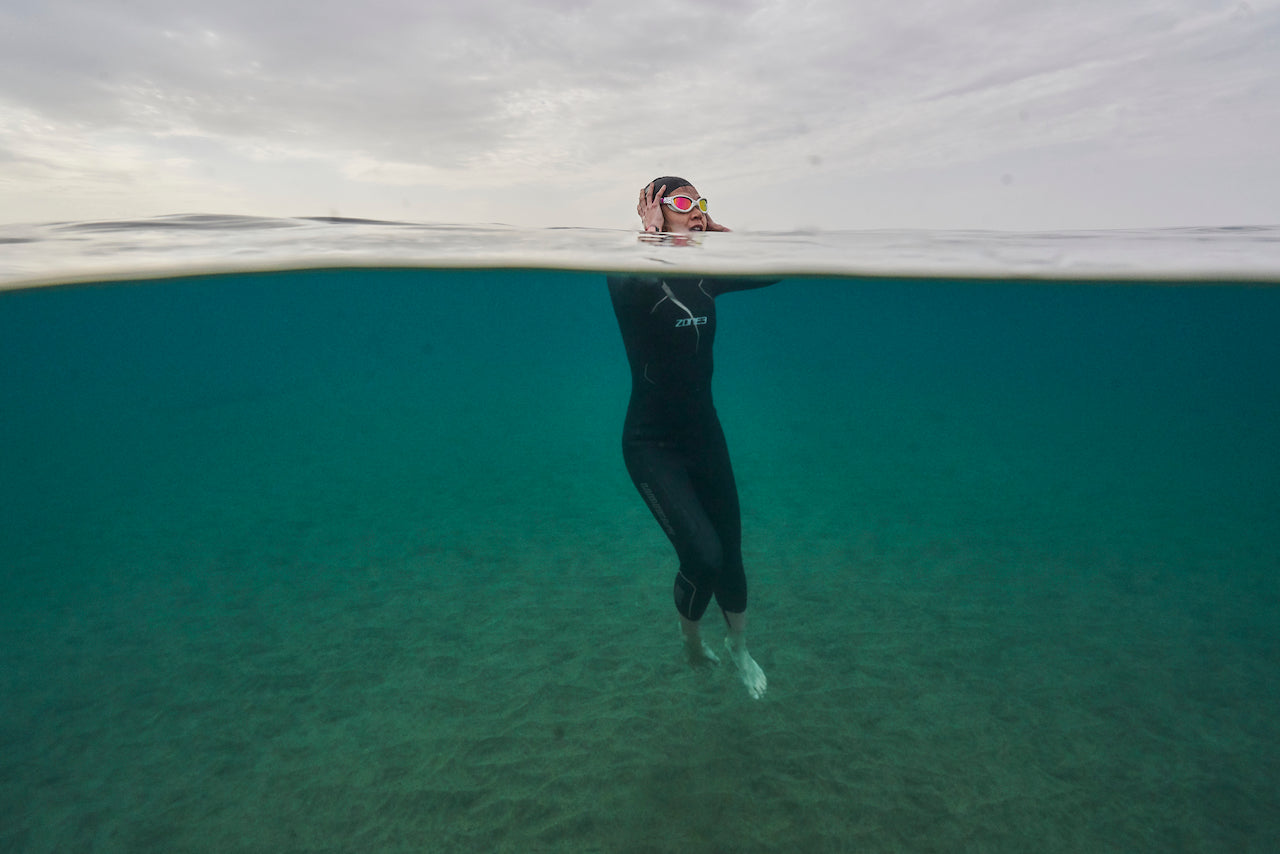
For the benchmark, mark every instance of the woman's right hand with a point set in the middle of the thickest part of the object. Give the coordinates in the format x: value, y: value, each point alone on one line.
x: 650, y: 207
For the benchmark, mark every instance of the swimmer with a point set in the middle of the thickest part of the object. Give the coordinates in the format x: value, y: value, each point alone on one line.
x: 672, y: 441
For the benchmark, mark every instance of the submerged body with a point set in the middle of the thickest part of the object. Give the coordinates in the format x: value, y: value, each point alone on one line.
x: 672, y: 440
x: 675, y: 450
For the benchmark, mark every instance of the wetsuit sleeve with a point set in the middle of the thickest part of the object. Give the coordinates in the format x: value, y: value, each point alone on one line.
x: 723, y: 286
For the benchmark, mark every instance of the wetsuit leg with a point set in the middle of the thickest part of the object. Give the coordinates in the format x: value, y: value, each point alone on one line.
x: 692, y: 494
x: 713, y: 480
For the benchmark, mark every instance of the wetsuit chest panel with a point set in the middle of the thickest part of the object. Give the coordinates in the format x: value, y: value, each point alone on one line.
x: 668, y: 327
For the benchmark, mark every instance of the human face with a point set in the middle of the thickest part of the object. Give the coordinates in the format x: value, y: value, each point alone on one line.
x: 683, y: 223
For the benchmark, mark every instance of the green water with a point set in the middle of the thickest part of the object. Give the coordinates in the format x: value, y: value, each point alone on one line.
x: 348, y: 561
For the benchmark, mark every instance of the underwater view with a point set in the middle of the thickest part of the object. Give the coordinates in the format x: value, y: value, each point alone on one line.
x: 336, y: 557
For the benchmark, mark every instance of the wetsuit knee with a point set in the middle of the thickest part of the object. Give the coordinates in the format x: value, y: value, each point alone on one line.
x: 694, y: 594
x: 691, y: 598
x: 732, y: 594
x: 702, y: 557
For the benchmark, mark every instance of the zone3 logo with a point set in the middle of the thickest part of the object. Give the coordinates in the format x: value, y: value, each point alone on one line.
x: 691, y: 321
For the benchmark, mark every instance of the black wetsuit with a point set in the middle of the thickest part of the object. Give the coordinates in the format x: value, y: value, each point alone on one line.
x: 672, y: 442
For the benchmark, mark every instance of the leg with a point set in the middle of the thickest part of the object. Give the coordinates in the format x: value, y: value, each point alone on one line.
x: 719, y: 492
x: 661, y: 474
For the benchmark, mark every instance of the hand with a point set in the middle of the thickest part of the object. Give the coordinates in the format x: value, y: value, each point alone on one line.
x: 712, y: 225
x: 650, y: 208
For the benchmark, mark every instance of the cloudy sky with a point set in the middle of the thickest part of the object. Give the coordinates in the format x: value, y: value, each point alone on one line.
x: 786, y: 113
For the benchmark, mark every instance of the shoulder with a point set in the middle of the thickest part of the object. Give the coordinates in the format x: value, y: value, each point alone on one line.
x: 624, y: 285
x: 627, y: 280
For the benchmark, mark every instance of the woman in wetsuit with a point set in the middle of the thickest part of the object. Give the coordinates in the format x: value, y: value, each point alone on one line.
x: 672, y: 442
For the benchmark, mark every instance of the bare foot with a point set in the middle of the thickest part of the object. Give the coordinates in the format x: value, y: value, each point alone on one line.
x: 699, y: 655
x: 752, y: 676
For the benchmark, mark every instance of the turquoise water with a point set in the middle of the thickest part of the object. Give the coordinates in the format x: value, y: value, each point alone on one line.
x: 348, y: 560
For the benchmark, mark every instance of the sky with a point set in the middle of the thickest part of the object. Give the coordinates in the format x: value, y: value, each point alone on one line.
x: 786, y: 114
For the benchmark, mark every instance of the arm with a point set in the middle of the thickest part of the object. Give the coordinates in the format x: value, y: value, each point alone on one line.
x: 723, y: 286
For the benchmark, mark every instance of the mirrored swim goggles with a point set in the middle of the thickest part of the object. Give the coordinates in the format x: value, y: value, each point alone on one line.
x: 684, y: 204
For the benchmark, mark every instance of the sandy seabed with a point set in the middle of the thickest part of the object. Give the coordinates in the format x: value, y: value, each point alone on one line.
x: 333, y: 678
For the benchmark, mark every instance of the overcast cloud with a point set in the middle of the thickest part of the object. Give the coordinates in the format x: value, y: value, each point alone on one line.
x: 786, y: 113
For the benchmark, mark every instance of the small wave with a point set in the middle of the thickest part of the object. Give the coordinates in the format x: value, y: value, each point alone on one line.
x: 198, y: 244
x: 215, y: 222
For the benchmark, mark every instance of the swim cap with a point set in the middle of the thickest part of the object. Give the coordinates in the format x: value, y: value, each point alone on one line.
x: 671, y: 182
